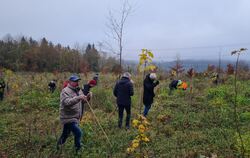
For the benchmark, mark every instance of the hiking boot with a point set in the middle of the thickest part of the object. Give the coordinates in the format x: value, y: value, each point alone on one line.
x: 120, y: 123
x: 58, y: 146
x: 78, y: 151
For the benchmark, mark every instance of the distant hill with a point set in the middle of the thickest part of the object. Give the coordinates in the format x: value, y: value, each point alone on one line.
x: 198, y: 65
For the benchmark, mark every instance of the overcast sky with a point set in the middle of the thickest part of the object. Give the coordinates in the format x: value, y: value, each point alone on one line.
x: 191, y: 28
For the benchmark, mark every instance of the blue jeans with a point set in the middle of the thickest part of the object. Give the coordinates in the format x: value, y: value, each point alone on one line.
x: 146, y: 109
x: 74, y: 128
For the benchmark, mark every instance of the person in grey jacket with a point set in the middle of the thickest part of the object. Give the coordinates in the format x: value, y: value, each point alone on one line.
x: 71, y: 100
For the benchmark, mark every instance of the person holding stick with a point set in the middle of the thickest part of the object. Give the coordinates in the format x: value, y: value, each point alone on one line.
x: 71, y: 100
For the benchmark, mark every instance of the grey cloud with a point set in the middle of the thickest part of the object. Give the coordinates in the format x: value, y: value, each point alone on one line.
x: 158, y: 25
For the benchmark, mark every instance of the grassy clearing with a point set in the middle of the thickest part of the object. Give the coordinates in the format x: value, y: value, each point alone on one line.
x: 182, y: 125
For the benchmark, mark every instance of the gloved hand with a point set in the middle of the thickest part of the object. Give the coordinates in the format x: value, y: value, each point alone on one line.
x: 90, y: 94
x: 132, y: 81
x: 82, y: 97
x: 157, y: 82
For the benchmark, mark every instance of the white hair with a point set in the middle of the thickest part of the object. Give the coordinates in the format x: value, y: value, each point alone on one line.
x: 126, y: 74
x: 152, y: 76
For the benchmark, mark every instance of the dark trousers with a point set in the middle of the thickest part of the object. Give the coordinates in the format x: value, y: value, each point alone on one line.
x: 146, y: 109
x: 128, y: 111
x: 74, y: 128
x: 172, y: 87
x: 52, y: 89
x: 1, y: 96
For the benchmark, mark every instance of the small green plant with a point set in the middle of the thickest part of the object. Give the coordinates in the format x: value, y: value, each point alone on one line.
x: 237, y: 52
x: 246, y: 143
x: 142, y: 126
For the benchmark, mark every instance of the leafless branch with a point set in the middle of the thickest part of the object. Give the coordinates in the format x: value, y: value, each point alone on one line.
x: 116, y: 27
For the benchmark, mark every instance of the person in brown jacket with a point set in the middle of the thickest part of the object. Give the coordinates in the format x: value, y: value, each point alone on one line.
x: 71, y: 100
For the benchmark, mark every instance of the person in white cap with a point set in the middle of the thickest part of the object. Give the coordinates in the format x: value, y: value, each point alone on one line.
x: 150, y: 82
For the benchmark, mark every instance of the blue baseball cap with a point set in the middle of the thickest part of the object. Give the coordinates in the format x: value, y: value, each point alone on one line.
x: 74, y: 78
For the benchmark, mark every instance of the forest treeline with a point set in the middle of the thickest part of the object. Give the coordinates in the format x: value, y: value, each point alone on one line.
x: 27, y: 54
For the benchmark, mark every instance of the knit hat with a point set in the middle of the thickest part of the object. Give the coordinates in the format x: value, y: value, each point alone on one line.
x: 93, y: 82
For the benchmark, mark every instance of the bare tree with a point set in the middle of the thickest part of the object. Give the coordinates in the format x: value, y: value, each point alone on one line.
x: 76, y: 57
x: 178, y: 68
x: 116, y: 28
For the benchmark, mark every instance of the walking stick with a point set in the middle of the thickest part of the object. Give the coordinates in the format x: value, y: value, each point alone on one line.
x: 112, y: 112
x: 98, y: 123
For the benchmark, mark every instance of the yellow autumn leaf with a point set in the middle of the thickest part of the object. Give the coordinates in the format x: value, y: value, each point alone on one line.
x: 130, y: 150
x: 145, y: 139
x: 135, y: 123
x: 141, y: 128
x: 135, y: 145
x: 150, y: 67
x: 142, y: 135
x: 150, y: 54
x: 143, y: 50
x: 143, y: 57
x: 135, y: 141
x: 141, y: 61
x: 149, y: 60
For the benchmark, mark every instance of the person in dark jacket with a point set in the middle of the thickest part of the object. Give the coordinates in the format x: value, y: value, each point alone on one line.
x: 149, y: 84
x: 177, y: 84
x: 87, y: 87
x: 123, y: 91
x: 96, y: 78
x: 2, y: 87
x: 86, y: 90
x: 52, y: 86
